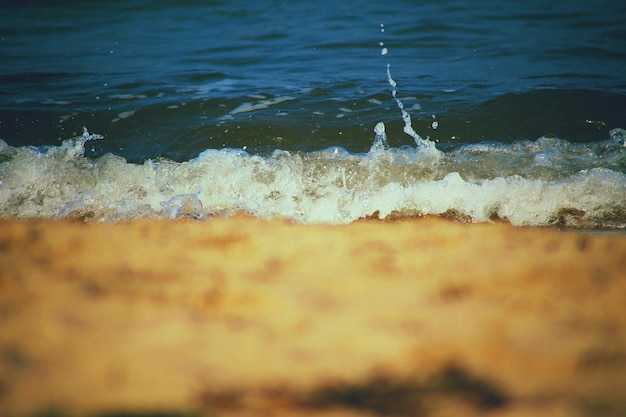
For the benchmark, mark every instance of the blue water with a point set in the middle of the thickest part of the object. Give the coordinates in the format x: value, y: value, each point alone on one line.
x: 528, y: 89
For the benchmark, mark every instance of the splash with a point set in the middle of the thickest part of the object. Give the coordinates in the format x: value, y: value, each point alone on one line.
x: 421, y: 143
x: 380, y: 141
x: 73, y: 147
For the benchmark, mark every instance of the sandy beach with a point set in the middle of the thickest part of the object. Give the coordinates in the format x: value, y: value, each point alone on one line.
x: 238, y: 316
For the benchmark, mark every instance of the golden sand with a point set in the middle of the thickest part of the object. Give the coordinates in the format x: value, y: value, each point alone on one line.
x: 246, y: 317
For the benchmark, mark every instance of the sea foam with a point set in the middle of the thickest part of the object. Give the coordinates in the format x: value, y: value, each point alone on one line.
x: 543, y: 182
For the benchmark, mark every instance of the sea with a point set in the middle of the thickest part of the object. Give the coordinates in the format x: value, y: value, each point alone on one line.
x: 325, y: 111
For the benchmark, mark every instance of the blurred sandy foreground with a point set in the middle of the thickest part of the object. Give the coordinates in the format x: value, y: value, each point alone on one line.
x: 243, y: 317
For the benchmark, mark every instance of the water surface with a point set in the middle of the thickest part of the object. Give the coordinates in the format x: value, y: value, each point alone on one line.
x: 522, y: 95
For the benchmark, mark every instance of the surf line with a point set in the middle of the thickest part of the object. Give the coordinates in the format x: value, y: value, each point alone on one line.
x: 381, y: 139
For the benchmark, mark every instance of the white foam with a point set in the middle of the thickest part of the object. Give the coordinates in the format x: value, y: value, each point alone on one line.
x: 330, y: 186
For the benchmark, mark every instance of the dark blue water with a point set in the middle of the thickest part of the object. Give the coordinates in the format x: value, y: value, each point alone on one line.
x: 170, y: 80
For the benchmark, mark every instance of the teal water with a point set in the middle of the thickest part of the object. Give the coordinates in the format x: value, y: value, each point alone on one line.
x: 516, y: 91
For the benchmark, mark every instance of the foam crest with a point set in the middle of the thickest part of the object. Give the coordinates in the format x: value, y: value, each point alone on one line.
x: 330, y: 186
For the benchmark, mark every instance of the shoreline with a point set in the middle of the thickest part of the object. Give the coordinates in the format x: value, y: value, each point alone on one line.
x: 241, y: 316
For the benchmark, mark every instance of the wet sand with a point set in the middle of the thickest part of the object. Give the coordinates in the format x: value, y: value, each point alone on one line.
x: 253, y: 318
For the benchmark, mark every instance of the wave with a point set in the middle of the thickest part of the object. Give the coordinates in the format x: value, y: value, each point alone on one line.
x: 549, y: 181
